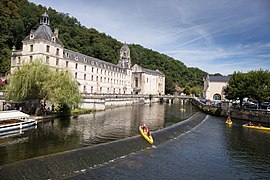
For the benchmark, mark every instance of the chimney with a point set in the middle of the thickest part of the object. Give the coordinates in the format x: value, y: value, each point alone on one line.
x: 56, y: 32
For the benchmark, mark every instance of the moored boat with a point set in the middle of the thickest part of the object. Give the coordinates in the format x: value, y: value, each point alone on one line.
x: 14, y: 120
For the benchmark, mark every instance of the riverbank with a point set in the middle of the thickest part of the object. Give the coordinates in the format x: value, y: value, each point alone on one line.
x: 225, y: 110
x: 66, y: 164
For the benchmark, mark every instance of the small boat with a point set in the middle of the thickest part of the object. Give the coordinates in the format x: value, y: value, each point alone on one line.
x: 229, y: 121
x: 14, y: 120
x: 256, y: 127
x: 145, y: 136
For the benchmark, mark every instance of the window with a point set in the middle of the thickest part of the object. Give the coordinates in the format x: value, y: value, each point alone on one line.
x: 31, y: 59
x: 57, y: 62
x: 84, y: 76
x: 57, y: 51
x: 76, y: 66
x: 100, y: 89
x: 76, y: 75
x: 92, y: 69
x: 48, y: 49
x: 92, y: 78
x: 31, y: 47
x: 100, y: 79
x: 19, y: 60
x: 136, y: 82
x: 84, y: 67
x: 97, y: 78
x: 66, y: 63
x: 47, y: 59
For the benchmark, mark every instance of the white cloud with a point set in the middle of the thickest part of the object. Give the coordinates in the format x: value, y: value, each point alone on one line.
x: 215, y: 36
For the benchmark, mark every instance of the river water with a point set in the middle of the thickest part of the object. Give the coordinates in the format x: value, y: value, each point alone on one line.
x: 90, y: 129
x: 212, y: 150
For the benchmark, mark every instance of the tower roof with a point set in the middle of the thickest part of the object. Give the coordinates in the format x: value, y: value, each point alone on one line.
x: 44, y: 31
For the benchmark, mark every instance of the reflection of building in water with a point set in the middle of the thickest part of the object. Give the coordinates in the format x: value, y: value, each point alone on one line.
x: 117, y: 123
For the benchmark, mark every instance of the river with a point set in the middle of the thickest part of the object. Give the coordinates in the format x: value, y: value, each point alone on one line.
x: 212, y: 150
x: 208, y: 150
x: 60, y: 135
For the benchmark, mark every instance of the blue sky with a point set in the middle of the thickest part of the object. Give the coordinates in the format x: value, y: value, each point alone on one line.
x: 217, y: 36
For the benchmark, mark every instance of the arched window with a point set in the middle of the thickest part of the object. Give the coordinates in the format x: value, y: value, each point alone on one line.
x: 217, y: 97
x: 136, y: 82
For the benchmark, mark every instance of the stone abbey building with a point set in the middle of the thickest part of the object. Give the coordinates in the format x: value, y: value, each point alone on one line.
x: 93, y: 75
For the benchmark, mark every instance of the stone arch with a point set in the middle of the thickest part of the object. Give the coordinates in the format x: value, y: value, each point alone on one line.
x: 217, y: 96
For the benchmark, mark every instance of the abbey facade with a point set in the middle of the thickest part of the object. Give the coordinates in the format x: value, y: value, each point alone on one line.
x: 93, y: 76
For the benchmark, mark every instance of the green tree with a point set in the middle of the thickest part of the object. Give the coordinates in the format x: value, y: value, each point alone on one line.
x: 187, y: 90
x: 38, y: 81
x: 237, y: 87
x: 259, y: 88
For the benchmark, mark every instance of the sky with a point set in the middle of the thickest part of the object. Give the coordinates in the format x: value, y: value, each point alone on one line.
x: 216, y: 36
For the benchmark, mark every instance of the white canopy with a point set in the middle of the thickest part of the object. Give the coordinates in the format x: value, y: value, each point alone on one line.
x: 13, y: 114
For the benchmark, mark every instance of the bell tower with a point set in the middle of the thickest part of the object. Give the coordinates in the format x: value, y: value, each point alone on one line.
x: 124, y: 60
x: 44, y: 19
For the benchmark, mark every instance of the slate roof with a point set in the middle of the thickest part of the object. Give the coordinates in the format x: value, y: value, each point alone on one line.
x: 219, y: 78
x: 44, y: 32
x: 75, y: 56
x: 153, y: 72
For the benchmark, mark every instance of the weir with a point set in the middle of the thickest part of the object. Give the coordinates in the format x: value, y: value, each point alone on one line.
x: 66, y: 164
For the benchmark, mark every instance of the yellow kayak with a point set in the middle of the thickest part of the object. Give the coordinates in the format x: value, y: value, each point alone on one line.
x: 144, y: 135
x: 229, y: 122
x: 256, y: 127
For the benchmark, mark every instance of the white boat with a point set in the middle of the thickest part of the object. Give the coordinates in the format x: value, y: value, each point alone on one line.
x: 14, y: 120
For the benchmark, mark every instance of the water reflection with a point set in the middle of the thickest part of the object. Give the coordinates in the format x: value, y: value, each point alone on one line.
x: 65, y: 134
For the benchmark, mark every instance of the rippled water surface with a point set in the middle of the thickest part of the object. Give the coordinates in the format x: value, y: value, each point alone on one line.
x: 90, y: 129
x: 212, y: 150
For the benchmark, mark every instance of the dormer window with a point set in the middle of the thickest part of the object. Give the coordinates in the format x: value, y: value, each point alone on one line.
x: 31, y: 36
x: 76, y: 58
x: 53, y: 39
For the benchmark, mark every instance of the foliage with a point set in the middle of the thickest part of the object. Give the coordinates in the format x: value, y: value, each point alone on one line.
x: 38, y: 81
x: 254, y: 84
x: 259, y: 88
x: 187, y: 90
x: 18, y: 17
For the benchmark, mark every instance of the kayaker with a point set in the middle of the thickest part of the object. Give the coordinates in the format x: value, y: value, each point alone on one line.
x: 144, y: 128
x: 148, y: 133
x: 250, y: 123
x: 229, y: 120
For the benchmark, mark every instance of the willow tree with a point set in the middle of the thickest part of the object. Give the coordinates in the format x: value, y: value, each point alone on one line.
x: 38, y: 81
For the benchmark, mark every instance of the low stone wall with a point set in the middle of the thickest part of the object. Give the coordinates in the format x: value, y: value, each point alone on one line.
x: 101, y: 103
x: 261, y: 116
x: 225, y: 110
x: 66, y: 164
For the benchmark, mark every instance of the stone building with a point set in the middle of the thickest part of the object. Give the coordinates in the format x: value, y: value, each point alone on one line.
x: 214, y: 87
x: 93, y: 75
